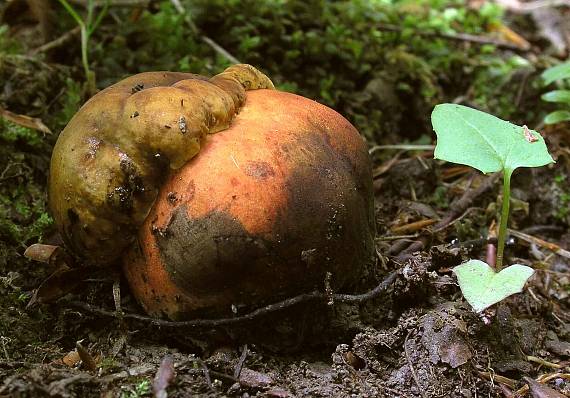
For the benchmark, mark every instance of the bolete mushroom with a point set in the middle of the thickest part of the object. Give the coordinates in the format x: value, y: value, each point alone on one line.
x: 280, y: 196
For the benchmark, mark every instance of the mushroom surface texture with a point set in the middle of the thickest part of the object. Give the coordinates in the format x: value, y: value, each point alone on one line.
x: 112, y: 157
x: 280, y: 196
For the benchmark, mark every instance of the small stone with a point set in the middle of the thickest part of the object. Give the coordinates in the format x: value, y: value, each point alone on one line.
x: 251, y: 379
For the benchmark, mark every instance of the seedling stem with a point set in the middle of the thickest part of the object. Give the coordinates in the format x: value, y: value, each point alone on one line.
x: 504, y: 218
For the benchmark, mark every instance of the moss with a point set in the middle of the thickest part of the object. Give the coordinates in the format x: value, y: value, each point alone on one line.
x: 561, y: 210
x: 24, y: 160
x: 140, y: 387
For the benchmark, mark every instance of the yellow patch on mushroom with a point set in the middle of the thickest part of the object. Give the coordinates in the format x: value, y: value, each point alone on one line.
x: 109, y: 162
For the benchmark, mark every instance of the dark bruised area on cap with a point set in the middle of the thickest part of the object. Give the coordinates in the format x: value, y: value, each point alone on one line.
x: 326, y: 225
x: 263, y: 213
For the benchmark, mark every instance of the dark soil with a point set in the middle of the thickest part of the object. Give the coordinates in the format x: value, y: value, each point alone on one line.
x: 419, y: 338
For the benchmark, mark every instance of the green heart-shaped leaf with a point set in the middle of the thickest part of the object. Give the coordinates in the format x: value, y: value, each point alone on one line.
x: 482, y: 286
x: 477, y: 139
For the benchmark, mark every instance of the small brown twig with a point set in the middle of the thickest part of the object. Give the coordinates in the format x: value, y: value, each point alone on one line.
x: 542, y: 379
x: 539, y: 242
x: 543, y: 362
x: 268, y: 309
x: 3, y: 176
x: 461, y: 205
x: 206, y: 372
x: 492, y: 377
x: 414, y: 226
x: 384, y: 167
x: 241, y: 362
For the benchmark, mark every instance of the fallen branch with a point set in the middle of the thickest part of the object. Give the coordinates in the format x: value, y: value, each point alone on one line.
x: 465, y: 37
x: 215, y: 46
x: 268, y: 309
x: 539, y: 242
x: 57, y: 42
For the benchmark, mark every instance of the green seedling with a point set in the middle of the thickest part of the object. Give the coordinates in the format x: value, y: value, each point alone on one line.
x: 87, y: 26
x: 489, y: 144
x: 558, y: 73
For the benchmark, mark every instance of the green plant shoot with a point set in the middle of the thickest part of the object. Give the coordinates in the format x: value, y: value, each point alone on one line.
x: 557, y: 73
x: 87, y: 27
x: 489, y: 144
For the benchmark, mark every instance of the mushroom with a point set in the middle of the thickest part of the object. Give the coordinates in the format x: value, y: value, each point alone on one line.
x: 277, y: 199
x: 110, y: 160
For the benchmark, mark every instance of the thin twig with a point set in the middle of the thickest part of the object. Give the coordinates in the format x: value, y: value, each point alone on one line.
x: 412, y: 370
x: 315, y: 295
x: 206, y: 372
x: 220, y: 50
x: 461, y: 205
x: 539, y: 242
x: 241, y: 362
x: 543, y: 362
x: 57, y: 42
x: 465, y: 37
x: 8, y: 167
x: 384, y: 167
x: 404, y: 147
x: 6, y: 355
x: 215, y: 46
x: 492, y: 377
x: 397, y: 237
x: 413, y: 226
x: 542, y: 379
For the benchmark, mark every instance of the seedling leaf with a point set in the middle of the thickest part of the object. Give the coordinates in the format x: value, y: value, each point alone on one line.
x: 557, y: 72
x: 482, y: 286
x: 557, y: 117
x: 485, y: 142
x: 562, y: 96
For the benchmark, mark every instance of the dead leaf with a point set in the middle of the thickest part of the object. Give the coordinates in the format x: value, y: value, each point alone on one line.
x: 39, y: 252
x: 354, y: 360
x: 55, y: 256
x: 539, y: 390
x: 71, y: 359
x: 25, y: 121
x: 88, y: 361
x: 456, y: 353
x: 164, y: 376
